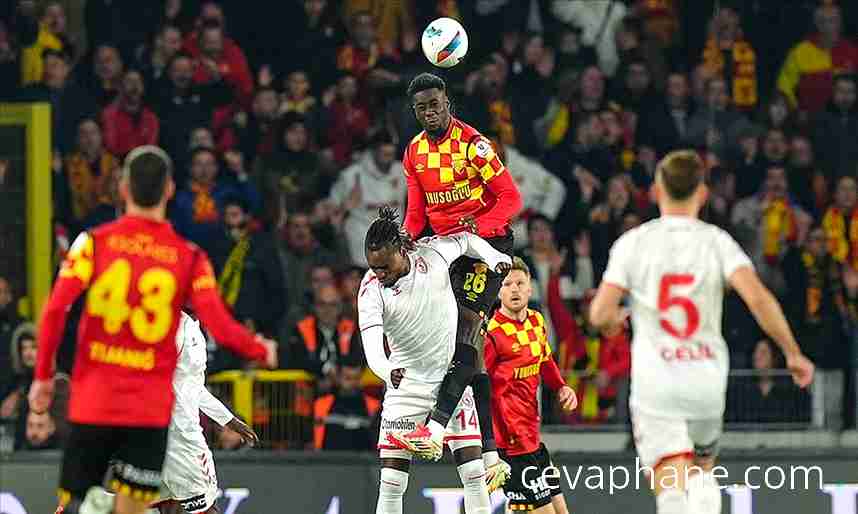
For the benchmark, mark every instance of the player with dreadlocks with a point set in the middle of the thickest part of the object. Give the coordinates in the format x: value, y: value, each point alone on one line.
x: 407, y: 297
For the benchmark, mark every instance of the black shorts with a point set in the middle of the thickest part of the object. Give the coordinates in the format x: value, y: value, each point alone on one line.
x: 525, y: 489
x: 125, y: 460
x: 474, y: 284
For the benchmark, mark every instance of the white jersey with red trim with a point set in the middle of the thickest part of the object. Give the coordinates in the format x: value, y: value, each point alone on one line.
x: 675, y: 269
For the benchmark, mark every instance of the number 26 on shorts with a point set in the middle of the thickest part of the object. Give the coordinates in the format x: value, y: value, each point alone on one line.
x: 667, y: 298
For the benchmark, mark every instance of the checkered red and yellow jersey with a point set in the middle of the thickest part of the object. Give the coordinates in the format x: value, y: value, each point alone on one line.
x: 453, y: 174
x: 515, y: 352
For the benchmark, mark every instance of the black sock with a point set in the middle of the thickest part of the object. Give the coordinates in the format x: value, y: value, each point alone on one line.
x: 458, y: 377
x: 482, y: 387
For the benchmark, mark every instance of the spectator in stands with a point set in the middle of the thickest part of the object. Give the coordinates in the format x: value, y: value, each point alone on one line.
x: 201, y: 137
x: 814, y: 299
x: 767, y: 223
x: 322, y: 340
x: 350, y: 121
x: 551, y: 266
x: 198, y: 207
x: 217, y: 58
x: 835, y: 129
x: 806, y: 177
x: 716, y: 123
x: 37, y: 35
x: 254, y: 133
x: 155, y: 60
x: 41, y: 432
x: 290, y: 177
x: 350, y: 280
x: 572, y: 54
x: 362, y: 50
x: 806, y: 75
x: 599, y: 21
x: 606, y: 218
x: 840, y: 223
x: 18, y: 373
x: 250, y: 278
x: 764, y: 397
x: 182, y: 105
x: 730, y: 56
x: 636, y: 91
x: 108, y: 71
x: 317, y: 33
x: 86, y: 183
x: 127, y: 122
x: 344, y: 418
x: 374, y: 179
x: 9, y: 323
x: 778, y: 113
x: 664, y: 124
x: 634, y: 43
x: 69, y: 102
x: 297, y: 98
x: 758, y: 154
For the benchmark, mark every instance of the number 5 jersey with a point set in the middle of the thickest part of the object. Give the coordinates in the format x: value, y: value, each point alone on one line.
x: 675, y: 270
x: 136, y: 275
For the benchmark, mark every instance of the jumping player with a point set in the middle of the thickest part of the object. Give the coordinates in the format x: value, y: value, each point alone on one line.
x: 456, y: 182
x: 406, y: 296
x: 517, y: 355
x: 137, y: 273
x: 188, y: 480
x: 674, y: 271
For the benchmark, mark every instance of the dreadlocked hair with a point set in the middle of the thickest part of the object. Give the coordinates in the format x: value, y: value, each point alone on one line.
x: 386, y: 230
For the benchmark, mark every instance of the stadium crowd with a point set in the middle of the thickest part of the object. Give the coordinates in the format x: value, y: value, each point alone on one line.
x: 287, y: 123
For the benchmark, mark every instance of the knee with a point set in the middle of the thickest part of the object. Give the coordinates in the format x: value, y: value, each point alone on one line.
x: 473, y: 473
x: 393, y: 483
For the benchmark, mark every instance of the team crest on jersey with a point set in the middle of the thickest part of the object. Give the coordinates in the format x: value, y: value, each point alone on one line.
x: 480, y: 268
x: 419, y: 167
x: 483, y: 148
x: 421, y: 266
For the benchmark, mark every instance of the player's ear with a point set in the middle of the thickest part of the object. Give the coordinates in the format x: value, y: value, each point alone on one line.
x: 170, y: 188
x: 702, y: 194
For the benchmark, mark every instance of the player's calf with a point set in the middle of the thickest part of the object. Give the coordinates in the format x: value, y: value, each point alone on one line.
x: 704, y: 494
x: 393, y: 481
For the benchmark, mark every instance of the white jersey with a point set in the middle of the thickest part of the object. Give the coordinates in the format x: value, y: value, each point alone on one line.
x: 418, y: 314
x: 189, y: 384
x: 675, y: 270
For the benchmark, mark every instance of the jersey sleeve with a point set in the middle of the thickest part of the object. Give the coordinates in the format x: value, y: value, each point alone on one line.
x: 214, y: 315
x: 464, y: 243
x: 484, y: 159
x: 619, y: 262
x: 74, y: 277
x: 730, y: 255
x: 214, y: 408
x: 415, y: 215
x: 370, y: 305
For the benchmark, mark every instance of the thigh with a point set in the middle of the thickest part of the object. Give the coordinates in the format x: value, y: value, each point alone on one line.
x: 463, y: 429
x: 189, y: 476
x: 526, y: 489
x: 136, y: 468
x: 402, y: 411
x: 543, y: 461
x: 86, y: 459
x: 705, y: 434
x: 474, y: 284
x: 658, y: 439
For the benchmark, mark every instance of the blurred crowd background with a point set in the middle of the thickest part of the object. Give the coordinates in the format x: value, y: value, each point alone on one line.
x: 287, y: 122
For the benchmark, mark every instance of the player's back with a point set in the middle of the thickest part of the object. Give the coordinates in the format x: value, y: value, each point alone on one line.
x: 140, y: 277
x: 675, y: 269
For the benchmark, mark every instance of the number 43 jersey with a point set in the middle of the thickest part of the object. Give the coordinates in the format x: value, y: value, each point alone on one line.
x: 135, y: 275
x: 675, y: 270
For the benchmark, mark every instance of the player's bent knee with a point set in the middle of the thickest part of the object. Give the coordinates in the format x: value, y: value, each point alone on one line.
x: 393, y: 483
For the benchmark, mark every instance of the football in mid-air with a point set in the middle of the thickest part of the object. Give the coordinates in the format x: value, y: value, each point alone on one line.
x: 445, y: 42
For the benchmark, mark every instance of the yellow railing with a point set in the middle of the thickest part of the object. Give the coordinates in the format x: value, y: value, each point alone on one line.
x: 278, y: 404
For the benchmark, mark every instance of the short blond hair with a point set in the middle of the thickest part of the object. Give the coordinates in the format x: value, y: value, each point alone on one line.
x: 519, y: 265
x: 681, y: 174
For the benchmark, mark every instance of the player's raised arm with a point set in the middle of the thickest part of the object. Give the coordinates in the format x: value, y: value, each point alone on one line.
x: 415, y: 215
x: 471, y: 245
x: 498, y: 180
x: 768, y: 313
x: 226, y: 331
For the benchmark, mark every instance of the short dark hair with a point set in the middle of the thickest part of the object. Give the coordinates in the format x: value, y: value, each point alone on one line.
x: 148, y: 168
x: 385, y: 231
x: 181, y: 54
x: 202, y: 149
x: 681, y: 172
x: 423, y: 82
x: 236, y: 200
x: 62, y: 55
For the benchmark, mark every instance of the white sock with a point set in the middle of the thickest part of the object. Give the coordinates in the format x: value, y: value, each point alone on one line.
x: 437, y: 430
x: 703, y: 493
x: 391, y: 489
x: 97, y: 501
x: 672, y: 501
x: 473, y: 476
x: 491, y: 458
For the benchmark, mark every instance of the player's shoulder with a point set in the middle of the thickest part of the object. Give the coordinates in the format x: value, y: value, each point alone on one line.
x: 465, y: 131
x: 416, y: 139
x: 535, y: 316
x: 368, y: 283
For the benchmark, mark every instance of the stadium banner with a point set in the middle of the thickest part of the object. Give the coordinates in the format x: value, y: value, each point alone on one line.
x: 333, y: 483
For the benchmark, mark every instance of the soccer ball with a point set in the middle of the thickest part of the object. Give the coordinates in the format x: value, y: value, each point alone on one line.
x: 445, y: 42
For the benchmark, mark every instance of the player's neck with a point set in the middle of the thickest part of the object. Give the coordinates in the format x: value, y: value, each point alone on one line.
x: 688, y: 211
x: 439, y: 134
x: 157, y: 213
x: 520, y: 315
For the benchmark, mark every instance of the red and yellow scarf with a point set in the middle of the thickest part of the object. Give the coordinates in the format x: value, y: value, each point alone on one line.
x: 205, y: 209
x: 744, y: 70
x: 815, y: 282
x: 89, y: 187
x: 778, y: 226
x: 842, y: 248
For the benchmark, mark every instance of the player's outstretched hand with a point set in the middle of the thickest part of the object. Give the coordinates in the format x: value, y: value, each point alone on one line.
x: 469, y: 223
x: 41, y: 394
x: 503, y: 267
x: 270, y: 353
x: 801, y: 369
x: 567, y: 398
x: 396, y: 377
x: 247, y: 434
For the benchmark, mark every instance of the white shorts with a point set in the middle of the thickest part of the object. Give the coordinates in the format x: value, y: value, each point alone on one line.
x: 658, y: 438
x: 409, y: 405
x: 188, y: 476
